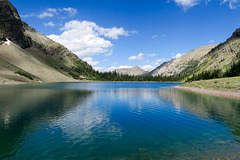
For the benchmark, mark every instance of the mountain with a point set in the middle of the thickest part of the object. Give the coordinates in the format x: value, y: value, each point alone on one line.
x: 135, y: 71
x: 183, y: 64
x: 29, y: 56
x: 213, y: 61
x: 223, y: 56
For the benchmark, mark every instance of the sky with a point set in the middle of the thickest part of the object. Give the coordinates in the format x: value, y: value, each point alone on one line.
x: 110, y: 34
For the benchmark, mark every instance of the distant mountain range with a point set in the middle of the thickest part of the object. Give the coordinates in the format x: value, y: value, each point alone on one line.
x: 135, y: 71
x: 183, y: 64
x: 216, y: 57
x: 206, y: 58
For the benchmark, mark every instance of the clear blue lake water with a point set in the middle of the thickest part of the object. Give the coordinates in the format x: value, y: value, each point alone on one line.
x: 116, y: 121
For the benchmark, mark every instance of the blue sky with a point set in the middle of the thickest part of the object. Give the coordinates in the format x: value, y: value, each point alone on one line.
x: 109, y: 34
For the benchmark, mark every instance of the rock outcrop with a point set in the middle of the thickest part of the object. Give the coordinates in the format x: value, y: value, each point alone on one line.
x: 11, y: 26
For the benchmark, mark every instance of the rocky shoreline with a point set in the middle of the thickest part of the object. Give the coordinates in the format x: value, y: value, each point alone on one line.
x: 212, y: 92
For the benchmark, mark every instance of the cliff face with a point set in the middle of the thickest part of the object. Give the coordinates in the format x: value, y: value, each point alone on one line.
x: 11, y: 26
x: 236, y: 34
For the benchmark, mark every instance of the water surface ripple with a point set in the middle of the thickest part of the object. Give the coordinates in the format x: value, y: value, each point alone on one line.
x: 111, y: 121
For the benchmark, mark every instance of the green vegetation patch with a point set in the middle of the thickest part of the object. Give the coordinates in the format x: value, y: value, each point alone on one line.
x: 222, y: 84
x: 25, y: 74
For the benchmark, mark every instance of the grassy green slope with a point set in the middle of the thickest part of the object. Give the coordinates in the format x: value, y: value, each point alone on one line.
x: 222, y: 84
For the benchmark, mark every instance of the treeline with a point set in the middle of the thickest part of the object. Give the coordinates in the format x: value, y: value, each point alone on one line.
x: 114, y: 76
x: 189, y: 76
x: 212, y: 74
x: 206, y: 75
x: 232, y: 72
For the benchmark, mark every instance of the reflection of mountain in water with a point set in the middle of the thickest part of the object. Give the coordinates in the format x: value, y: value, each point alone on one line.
x: 22, y: 110
x: 223, y: 110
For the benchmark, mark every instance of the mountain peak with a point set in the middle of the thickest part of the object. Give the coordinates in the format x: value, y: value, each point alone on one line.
x: 137, y: 67
x: 236, y: 34
x: 11, y: 26
x: 131, y: 71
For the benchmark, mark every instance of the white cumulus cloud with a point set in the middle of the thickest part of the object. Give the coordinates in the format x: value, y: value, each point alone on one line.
x: 186, y: 4
x: 151, y: 55
x: 45, y: 14
x: 49, y: 24
x: 232, y: 3
x: 72, y: 11
x: 140, y: 56
x: 108, y: 54
x: 112, y: 33
x: 160, y: 60
x: 85, y: 38
x: 51, y: 12
x: 98, y: 68
x: 157, y: 61
x: 148, y: 67
x: 211, y: 41
x: 90, y: 61
x: 178, y: 55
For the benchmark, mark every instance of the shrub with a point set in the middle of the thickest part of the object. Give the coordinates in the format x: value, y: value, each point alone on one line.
x: 25, y: 74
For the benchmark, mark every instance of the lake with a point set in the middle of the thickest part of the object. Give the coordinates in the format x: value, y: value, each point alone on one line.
x: 116, y: 121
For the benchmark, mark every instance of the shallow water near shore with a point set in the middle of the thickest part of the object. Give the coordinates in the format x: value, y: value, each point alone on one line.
x: 101, y: 121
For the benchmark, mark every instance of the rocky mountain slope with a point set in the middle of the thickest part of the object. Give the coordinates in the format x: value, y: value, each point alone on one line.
x: 204, y: 59
x: 135, y: 71
x: 27, y: 55
x: 222, y: 56
x: 15, y: 55
x: 183, y: 64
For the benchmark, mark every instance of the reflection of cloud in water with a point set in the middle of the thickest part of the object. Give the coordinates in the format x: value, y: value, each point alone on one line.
x: 129, y: 94
x: 138, y: 99
x: 86, y: 123
x: 6, y: 119
x: 178, y: 109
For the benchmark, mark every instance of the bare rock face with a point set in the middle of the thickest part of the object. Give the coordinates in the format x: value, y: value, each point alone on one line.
x: 11, y: 26
x: 236, y: 34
